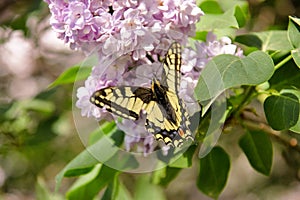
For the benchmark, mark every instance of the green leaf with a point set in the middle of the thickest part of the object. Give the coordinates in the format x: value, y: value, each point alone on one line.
x: 286, y: 76
x: 211, y: 22
x: 71, y: 75
x: 250, y: 40
x: 104, y: 129
x: 266, y: 41
x: 211, y: 125
x: 43, y: 193
x: 226, y: 71
x: 294, y: 32
x: 145, y: 190
x: 185, y: 160
x: 101, y: 151
x: 282, y: 112
x: 241, y: 9
x: 210, y: 7
x: 116, y: 191
x: 89, y: 185
x: 241, y: 16
x: 295, y: 128
x: 214, y: 169
x: 165, y: 175
x: 274, y: 40
x: 296, y: 56
x: 229, y: 4
x: 79, y: 165
x: 258, y: 148
x: 38, y: 105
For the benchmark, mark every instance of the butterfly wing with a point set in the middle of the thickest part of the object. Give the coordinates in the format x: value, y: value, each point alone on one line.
x: 167, y: 117
x: 172, y: 133
x: 124, y: 101
x: 171, y: 68
x: 169, y: 121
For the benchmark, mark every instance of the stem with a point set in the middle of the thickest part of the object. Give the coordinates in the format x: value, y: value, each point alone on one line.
x: 283, y: 62
x: 278, y: 135
x: 249, y: 91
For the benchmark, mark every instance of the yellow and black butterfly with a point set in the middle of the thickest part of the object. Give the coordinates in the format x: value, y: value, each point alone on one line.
x: 167, y: 117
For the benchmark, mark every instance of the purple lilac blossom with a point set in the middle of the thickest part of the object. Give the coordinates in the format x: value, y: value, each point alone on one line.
x: 123, y: 25
x: 137, y: 138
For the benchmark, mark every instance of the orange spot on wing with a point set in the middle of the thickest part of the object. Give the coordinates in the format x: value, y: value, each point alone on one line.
x: 181, y: 132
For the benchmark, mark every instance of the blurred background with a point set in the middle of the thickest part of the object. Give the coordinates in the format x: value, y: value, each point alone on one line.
x: 37, y: 133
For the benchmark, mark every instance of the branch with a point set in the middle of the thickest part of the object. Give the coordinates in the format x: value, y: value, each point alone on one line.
x: 280, y: 136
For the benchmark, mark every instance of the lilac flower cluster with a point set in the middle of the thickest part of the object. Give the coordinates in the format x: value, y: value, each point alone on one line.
x: 117, y: 73
x: 125, y: 33
x: 121, y: 26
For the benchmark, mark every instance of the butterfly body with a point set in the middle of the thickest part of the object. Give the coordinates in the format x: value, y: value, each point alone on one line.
x: 166, y: 117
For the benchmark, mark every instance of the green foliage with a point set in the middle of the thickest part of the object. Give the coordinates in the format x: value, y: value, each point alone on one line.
x: 185, y: 160
x: 282, y: 111
x: 268, y: 76
x: 71, y: 75
x: 214, y: 169
x: 85, y: 161
x: 227, y: 71
x: 87, y: 186
x: 286, y: 77
x: 116, y: 190
x: 221, y: 21
x: 151, y: 192
x: 276, y: 40
x: 254, y: 74
x: 222, y: 16
x: 293, y: 32
x: 296, y: 56
x: 165, y: 175
x: 258, y: 148
x: 294, y: 38
x: 295, y: 128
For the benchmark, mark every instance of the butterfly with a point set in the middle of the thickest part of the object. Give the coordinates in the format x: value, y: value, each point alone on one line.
x: 166, y: 115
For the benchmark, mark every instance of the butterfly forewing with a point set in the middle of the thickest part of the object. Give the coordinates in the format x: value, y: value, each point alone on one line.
x: 124, y: 101
x: 171, y: 68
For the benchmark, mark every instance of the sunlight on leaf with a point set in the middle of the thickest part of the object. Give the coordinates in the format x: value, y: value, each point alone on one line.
x: 266, y: 41
x: 294, y: 32
x: 210, y: 22
x: 226, y: 71
x: 296, y: 56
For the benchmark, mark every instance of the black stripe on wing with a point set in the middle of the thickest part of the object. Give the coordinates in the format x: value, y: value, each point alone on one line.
x: 124, y: 101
